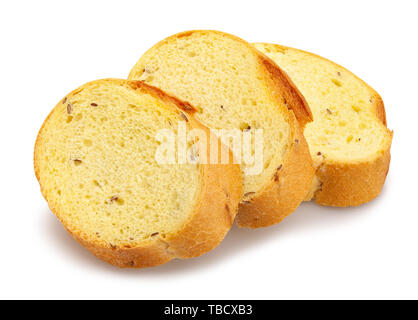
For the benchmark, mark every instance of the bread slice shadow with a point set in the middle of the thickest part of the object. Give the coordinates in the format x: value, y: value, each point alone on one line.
x: 308, y: 217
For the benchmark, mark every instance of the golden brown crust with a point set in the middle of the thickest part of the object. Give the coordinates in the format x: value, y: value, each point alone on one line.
x: 158, y: 93
x: 212, y: 217
x: 149, y: 255
x: 287, y: 190
x: 356, y: 183
x: 379, y: 108
x: 291, y: 94
x: 352, y: 184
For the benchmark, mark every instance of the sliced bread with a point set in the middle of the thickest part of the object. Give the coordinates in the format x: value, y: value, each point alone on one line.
x: 233, y: 86
x: 95, y: 161
x: 348, y: 139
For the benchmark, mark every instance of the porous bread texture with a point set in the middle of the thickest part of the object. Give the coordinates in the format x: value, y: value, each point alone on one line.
x: 348, y: 139
x: 95, y: 162
x: 233, y: 86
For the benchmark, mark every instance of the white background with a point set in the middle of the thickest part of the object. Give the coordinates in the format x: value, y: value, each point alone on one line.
x: 49, y: 48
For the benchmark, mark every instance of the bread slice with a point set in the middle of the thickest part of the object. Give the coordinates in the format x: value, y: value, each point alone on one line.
x: 95, y: 162
x: 348, y: 139
x: 233, y: 86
